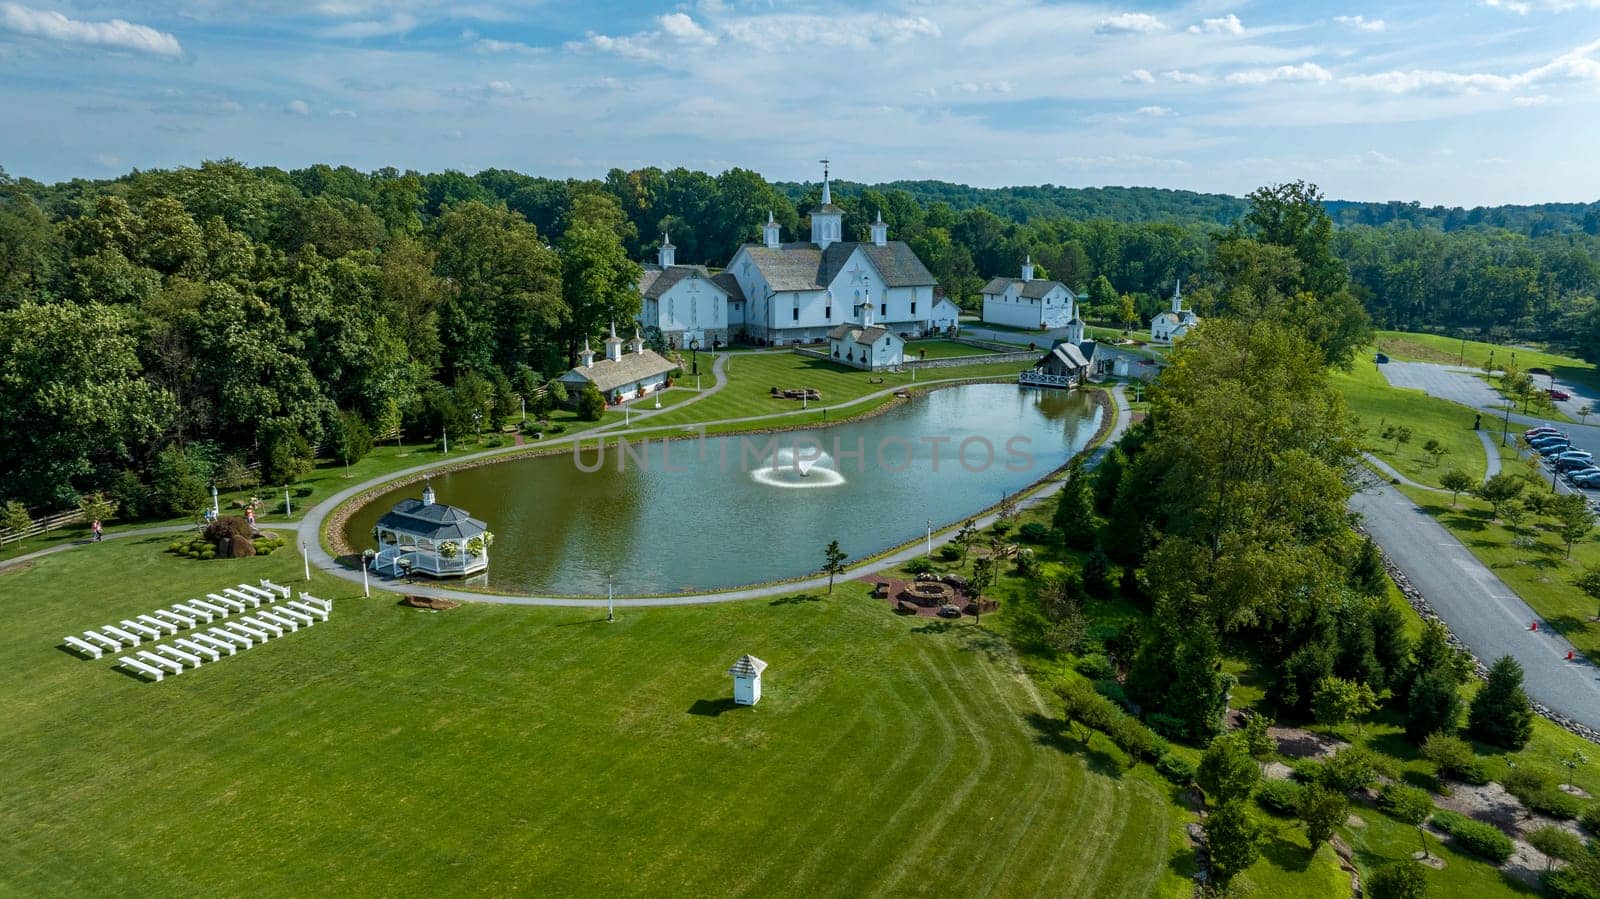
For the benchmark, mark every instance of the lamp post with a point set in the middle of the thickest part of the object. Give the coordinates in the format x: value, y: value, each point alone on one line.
x: 930, y: 538
x: 694, y: 355
x: 305, y: 559
x: 216, y: 511
x: 287, y: 509
x: 611, y: 609
x: 366, y: 562
x: 446, y: 432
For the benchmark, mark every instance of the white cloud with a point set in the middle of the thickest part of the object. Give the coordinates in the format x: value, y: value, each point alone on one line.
x: 1154, y: 112
x: 109, y: 160
x: 1516, y: 6
x: 1362, y: 23
x: 629, y: 47
x: 1534, y: 100
x: 297, y: 107
x: 1576, y: 65
x: 490, y: 45
x: 1181, y: 77
x: 399, y: 23
x: 341, y: 113
x: 117, y: 33
x: 684, y: 29
x: 1228, y: 24
x: 1122, y: 161
x: 981, y: 87
x: 1130, y: 23
x: 1307, y: 71
x: 1139, y: 76
x: 503, y: 88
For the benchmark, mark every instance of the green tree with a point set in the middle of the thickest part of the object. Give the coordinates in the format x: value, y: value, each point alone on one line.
x: 1400, y: 434
x: 1557, y: 844
x: 349, y: 440
x: 1434, y: 706
x: 1074, y: 512
x: 285, y: 457
x: 506, y: 303
x: 179, y: 483
x: 1575, y: 519
x: 591, y: 405
x: 14, y: 517
x: 1258, y: 739
x: 1322, y: 810
x: 833, y: 562
x: 1500, y: 714
x: 1457, y: 482
x: 1436, y: 450
x: 1398, y: 880
x: 1500, y: 490
x: 599, y: 279
x: 1338, y: 700
x: 1127, y: 312
x: 965, y: 537
x: 1233, y: 839
x: 95, y: 507
x: 983, y: 571
x: 1097, y: 573
x: 1227, y: 770
x: 1368, y: 574
x: 1409, y: 805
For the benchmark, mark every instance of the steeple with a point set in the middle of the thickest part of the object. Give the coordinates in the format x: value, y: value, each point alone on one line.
x: 586, y: 358
x: 880, y: 231
x: 865, y: 309
x: 427, y: 493
x: 637, y: 343
x: 614, y: 345
x: 1177, y: 295
x: 1027, y: 269
x: 827, y: 220
x: 770, y: 231
x: 668, y: 253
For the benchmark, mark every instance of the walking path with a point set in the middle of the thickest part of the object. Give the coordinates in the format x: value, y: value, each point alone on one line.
x: 1478, y: 607
x: 1492, y: 449
x: 135, y: 532
x: 1389, y: 471
x: 321, y: 559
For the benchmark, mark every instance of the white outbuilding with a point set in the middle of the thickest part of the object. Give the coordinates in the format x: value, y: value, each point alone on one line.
x: 747, y: 680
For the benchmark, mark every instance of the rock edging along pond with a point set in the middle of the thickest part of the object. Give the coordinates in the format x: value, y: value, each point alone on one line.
x: 686, y: 515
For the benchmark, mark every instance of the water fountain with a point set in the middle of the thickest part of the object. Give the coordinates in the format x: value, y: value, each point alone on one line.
x: 791, y: 468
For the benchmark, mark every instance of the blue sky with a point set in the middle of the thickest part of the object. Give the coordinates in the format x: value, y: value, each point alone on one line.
x: 1481, y: 101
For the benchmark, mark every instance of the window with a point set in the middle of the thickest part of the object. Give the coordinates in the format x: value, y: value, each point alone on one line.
x: 827, y: 312
x: 883, y: 309
x: 913, y: 307
x: 797, y: 313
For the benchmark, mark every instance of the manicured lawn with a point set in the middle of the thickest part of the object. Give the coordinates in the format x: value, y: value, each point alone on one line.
x: 1408, y: 347
x: 397, y: 751
x: 942, y: 349
x: 1378, y: 406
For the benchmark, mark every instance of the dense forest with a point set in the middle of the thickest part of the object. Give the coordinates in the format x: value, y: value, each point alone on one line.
x: 162, y: 327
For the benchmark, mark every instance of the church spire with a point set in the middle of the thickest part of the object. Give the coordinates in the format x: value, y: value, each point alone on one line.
x: 1177, y: 295
x: 827, y: 195
x: 668, y: 253
x: 770, y: 231
x: 827, y: 220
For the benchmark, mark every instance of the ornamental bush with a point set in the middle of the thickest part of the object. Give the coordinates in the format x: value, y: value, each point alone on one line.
x: 1033, y: 532
x: 1398, y: 880
x: 1480, y: 839
x: 1280, y: 796
x: 1454, y: 759
x: 1176, y: 768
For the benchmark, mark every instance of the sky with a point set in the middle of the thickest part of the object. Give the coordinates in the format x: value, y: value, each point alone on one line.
x: 1462, y: 103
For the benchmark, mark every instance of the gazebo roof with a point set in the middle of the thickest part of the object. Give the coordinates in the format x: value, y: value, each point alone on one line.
x: 748, y: 666
x: 432, y: 521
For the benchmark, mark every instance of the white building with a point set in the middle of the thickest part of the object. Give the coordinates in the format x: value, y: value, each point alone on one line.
x: 621, y: 376
x: 1169, y: 326
x: 688, y: 303
x: 1029, y: 302
x: 864, y: 344
x: 427, y: 537
x: 747, y: 679
x: 798, y: 292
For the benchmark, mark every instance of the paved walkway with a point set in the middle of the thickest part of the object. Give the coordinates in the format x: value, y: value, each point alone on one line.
x: 1491, y: 448
x: 1389, y: 471
x: 321, y: 559
x: 135, y: 532
x: 1488, y: 617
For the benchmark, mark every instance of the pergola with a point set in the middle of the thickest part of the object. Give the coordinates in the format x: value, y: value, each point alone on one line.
x: 431, y: 538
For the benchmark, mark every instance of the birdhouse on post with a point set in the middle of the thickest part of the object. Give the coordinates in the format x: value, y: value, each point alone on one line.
x: 747, y: 680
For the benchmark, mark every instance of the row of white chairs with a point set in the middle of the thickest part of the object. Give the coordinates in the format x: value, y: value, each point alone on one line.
x: 241, y: 633
x: 181, y: 616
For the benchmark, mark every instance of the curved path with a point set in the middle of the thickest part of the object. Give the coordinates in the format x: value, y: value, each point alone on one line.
x: 135, y: 532
x: 324, y: 561
x: 1478, y: 607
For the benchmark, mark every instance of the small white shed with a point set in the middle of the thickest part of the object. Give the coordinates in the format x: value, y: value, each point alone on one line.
x: 747, y: 680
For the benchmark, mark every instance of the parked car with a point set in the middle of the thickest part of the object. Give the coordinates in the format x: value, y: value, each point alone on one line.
x: 1546, y: 438
x: 1589, y: 480
x: 1540, y: 443
x: 1573, y: 464
x: 1575, y: 454
x: 1541, y: 431
x: 1591, y: 471
x: 1554, y: 449
x: 1558, y: 394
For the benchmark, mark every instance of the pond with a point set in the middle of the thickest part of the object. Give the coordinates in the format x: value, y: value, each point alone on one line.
x: 704, y: 514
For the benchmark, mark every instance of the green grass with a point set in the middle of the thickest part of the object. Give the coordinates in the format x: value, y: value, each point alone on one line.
x: 943, y: 349
x: 397, y: 751
x: 1379, y: 405
x: 1408, y: 347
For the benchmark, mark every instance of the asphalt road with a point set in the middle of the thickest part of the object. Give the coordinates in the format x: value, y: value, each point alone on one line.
x: 1488, y: 617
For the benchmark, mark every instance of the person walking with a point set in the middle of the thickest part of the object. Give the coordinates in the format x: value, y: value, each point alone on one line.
x: 250, y: 516
x: 99, y: 533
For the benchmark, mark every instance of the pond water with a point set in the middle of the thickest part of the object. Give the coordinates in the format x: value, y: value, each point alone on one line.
x: 703, y: 514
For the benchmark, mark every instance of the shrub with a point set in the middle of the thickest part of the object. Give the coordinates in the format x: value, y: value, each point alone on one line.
x: 1434, y: 705
x: 1308, y: 771
x: 1095, y: 667
x: 1176, y: 768
x: 208, y: 553
x: 1033, y: 532
x: 1169, y: 726
x: 1398, y: 880
x: 1500, y: 714
x: 1351, y: 768
x: 175, y: 547
x: 1480, y: 839
x: 1590, y: 818
x: 1097, y: 573
x: 1454, y: 759
x: 919, y: 565
x: 1280, y: 796
x: 949, y: 553
x: 1394, y: 797
x: 591, y: 405
x: 1537, y: 790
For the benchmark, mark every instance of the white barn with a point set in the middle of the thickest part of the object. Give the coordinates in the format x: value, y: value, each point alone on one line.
x: 689, y: 304
x: 866, y: 345
x: 798, y: 292
x: 1029, y: 302
x: 1169, y: 326
x: 621, y: 376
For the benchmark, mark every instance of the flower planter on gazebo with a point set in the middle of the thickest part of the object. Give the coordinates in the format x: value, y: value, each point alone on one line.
x: 425, y: 537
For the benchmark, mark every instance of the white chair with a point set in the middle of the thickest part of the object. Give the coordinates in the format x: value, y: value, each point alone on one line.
x: 176, y: 653
x: 232, y: 637
x: 312, y: 600
x: 121, y: 635
x: 141, y: 630
x: 157, y: 623
x: 182, y: 620
x: 102, y: 640
x: 142, y: 668
x: 281, y: 591
x: 280, y: 620
x: 199, y: 649
x: 265, y: 595
x: 162, y: 661
x: 297, y: 615
x: 87, y: 649
x: 219, y: 611
x: 193, y: 611
x: 254, y: 601
x: 307, y: 608
x: 260, y: 623
x: 214, y: 643
x: 231, y: 603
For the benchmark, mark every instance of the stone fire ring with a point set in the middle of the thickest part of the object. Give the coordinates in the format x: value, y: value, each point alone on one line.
x: 930, y: 593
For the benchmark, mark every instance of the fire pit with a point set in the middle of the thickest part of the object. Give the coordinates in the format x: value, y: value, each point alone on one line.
x: 929, y: 593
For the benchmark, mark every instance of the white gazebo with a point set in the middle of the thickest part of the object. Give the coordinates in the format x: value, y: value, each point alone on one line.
x: 423, y: 536
x: 747, y: 680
